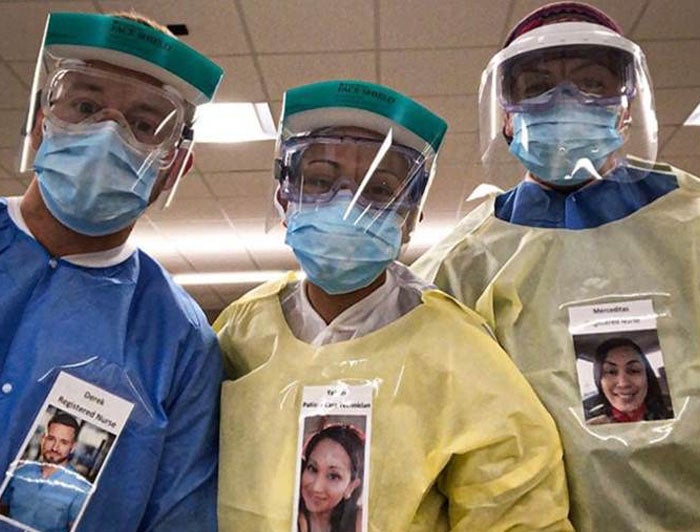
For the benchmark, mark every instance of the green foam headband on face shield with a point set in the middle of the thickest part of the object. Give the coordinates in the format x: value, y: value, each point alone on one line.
x: 335, y: 103
x: 130, y: 44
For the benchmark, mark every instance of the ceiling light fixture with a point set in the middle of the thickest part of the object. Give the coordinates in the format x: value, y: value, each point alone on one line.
x: 694, y: 118
x: 234, y: 122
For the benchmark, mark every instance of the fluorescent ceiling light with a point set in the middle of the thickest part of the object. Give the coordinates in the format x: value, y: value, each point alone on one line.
x: 694, y: 118
x: 233, y: 122
x: 219, y: 278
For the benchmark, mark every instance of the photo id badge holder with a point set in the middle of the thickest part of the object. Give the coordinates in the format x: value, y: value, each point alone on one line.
x: 333, y: 457
x: 620, y: 366
x: 48, y: 485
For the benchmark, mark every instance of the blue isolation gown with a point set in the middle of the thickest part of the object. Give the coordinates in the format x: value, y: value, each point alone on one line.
x: 128, y: 329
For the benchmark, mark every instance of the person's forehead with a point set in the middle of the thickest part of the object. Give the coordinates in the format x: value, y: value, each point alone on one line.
x: 333, y: 452
x: 624, y: 352
x: 125, y: 73
x: 58, y: 429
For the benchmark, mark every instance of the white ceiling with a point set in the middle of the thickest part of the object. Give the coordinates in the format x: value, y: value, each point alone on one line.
x: 433, y: 51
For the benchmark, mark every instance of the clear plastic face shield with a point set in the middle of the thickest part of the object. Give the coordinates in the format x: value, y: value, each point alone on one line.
x: 570, y: 102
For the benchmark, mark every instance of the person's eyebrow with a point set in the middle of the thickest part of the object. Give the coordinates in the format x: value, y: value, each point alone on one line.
x: 81, y: 84
x: 586, y: 63
x: 322, y: 160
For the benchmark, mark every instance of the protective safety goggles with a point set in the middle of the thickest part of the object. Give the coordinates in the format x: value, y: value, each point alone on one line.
x: 153, y: 119
x: 313, y: 169
x: 596, y: 75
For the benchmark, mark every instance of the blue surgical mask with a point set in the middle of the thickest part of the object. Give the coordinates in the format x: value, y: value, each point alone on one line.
x: 566, y: 144
x: 91, y: 181
x: 342, y: 255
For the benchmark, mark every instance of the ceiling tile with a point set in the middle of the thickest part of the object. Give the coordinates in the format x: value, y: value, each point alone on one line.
x: 234, y: 157
x: 665, y: 133
x: 443, y: 24
x: 215, y: 27
x: 205, y: 296
x: 241, y: 81
x: 443, y: 72
x: 11, y: 187
x: 674, y: 63
x: 241, y: 184
x: 25, y: 71
x: 22, y: 26
x: 685, y: 141
x: 202, y: 209
x: 458, y: 148
x: 13, y: 95
x: 689, y: 164
x: 460, y: 112
x: 9, y: 160
x: 11, y: 131
x: 310, y: 25
x: 227, y: 258
x: 192, y: 186
x: 280, y: 258
x: 669, y: 19
x: 246, y: 207
x: 673, y: 106
x: 281, y: 72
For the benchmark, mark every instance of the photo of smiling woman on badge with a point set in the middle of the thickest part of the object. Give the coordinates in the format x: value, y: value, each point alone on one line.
x: 627, y: 384
x: 331, y: 480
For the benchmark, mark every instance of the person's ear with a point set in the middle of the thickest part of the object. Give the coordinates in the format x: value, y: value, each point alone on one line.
x: 281, y: 205
x: 37, y: 133
x: 182, y: 164
x: 351, y: 488
x: 508, y: 127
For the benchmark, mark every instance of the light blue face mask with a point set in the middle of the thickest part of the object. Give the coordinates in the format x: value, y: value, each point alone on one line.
x: 566, y: 144
x: 339, y: 255
x: 91, y: 181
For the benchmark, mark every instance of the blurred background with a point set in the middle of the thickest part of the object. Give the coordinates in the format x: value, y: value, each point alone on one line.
x: 432, y: 51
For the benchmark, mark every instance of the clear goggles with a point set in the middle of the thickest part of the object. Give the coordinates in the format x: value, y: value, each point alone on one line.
x: 380, y: 175
x: 152, y: 119
x: 601, y: 76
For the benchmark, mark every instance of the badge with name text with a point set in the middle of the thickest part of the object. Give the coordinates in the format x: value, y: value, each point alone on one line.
x: 620, y: 366
x: 333, y: 450
x: 49, y: 484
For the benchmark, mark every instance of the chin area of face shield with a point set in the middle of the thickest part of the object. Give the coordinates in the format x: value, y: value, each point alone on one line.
x: 152, y: 118
x: 381, y: 175
x: 593, y: 75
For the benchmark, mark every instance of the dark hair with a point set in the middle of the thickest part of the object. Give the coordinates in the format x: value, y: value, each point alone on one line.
x: 352, y: 440
x: 63, y: 418
x: 144, y: 20
x: 654, y: 401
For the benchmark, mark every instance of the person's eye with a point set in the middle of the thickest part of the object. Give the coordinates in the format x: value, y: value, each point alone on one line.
x: 86, y: 107
x: 311, y: 468
x: 143, y: 126
x: 591, y: 85
x: 317, y: 181
x: 334, y: 476
x: 610, y: 372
